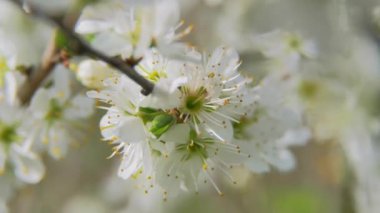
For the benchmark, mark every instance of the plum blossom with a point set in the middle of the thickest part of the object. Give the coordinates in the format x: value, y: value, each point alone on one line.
x: 56, y: 115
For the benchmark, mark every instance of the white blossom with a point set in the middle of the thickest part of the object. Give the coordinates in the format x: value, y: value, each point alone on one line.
x: 16, y: 33
x: 128, y: 30
x: 92, y: 73
x: 285, y: 48
x: 56, y: 115
x: 26, y: 165
x: 189, y: 128
x: 271, y: 127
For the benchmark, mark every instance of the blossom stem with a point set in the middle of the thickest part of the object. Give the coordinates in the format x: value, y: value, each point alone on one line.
x: 49, y: 60
x: 147, y: 86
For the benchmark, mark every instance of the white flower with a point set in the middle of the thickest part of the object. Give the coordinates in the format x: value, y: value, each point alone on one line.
x: 128, y: 30
x: 286, y: 48
x: 92, y: 73
x: 123, y: 126
x: 189, y: 117
x: 190, y: 159
x: 16, y: 33
x: 215, y: 93
x: 166, y: 75
x: 271, y: 128
x: 56, y: 114
x: 27, y: 166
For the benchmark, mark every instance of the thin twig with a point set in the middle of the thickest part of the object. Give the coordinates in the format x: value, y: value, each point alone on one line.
x: 147, y: 86
x: 49, y: 60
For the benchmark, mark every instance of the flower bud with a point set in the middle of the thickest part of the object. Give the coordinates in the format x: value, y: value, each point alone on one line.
x: 91, y: 73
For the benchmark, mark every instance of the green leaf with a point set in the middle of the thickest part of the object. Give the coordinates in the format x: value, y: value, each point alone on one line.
x: 161, y: 123
x: 147, y: 114
x: 61, y: 41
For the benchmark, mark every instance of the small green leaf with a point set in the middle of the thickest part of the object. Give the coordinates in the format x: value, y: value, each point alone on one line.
x: 147, y: 114
x: 62, y: 41
x: 161, y: 123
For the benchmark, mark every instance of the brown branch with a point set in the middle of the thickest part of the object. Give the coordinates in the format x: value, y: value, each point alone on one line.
x: 147, y: 86
x: 34, y: 81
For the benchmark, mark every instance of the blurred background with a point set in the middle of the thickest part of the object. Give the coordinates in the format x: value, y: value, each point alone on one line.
x: 336, y: 172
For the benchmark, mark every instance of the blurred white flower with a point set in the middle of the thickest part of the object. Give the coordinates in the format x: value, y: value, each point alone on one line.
x: 56, y: 115
x: 27, y: 165
x: 128, y: 30
x: 271, y: 127
x: 16, y: 33
x: 92, y: 73
x: 286, y: 48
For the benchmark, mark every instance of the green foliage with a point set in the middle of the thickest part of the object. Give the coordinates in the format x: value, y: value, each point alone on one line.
x: 161, y: 123
x: 61, y: 40
x: 147, y: 114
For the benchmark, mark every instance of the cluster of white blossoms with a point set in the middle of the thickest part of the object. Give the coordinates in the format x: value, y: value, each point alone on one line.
x: 203, y: 117
x: 14, y: 155
x: 55, y: 121
x: 49, y: 122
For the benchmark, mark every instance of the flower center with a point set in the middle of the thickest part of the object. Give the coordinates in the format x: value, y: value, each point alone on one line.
x: 195, y: 147
x: 156, y: 75
x: 294, y: 42
x: 55, y: 111
x: 8, y: 133
x: 194, y: 101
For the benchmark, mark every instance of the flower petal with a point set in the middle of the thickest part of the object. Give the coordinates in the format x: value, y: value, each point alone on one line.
x: 132, y: 130
x: 80, y: 107
x: 255, y: 164
x: 222, y: 130
x: 178, y: 133
x: 28, y: 167
x: 132, y: 161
